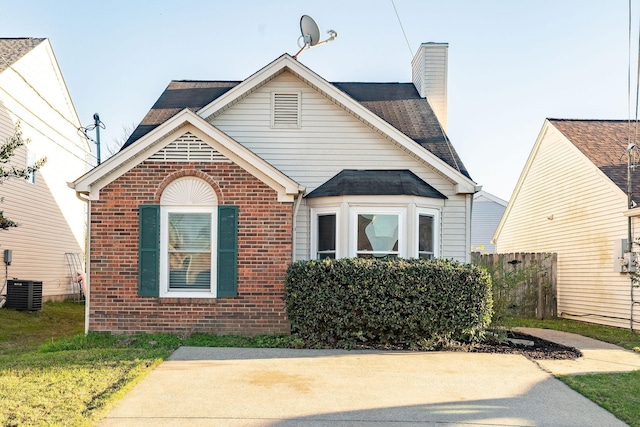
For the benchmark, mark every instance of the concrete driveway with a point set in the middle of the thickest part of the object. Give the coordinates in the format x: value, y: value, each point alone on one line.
x: 275, y: 387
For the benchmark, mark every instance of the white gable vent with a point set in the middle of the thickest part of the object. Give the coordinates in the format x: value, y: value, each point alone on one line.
x: 188, y: 148
x: 285, y: 109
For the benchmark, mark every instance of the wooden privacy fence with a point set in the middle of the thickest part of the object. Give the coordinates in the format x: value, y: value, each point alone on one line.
x: 524, y: 284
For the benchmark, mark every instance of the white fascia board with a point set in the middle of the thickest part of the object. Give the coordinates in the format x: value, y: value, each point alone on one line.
x: 490, y: 197
x: 633, y: 213
x: 286, y: 62
x: 94, y: 180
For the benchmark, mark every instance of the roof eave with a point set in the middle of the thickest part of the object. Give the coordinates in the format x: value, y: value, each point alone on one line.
x: 462, y: 183
x: 125, y: 160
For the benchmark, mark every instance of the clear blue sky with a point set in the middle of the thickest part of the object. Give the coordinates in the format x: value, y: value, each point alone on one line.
x: 511, y: 63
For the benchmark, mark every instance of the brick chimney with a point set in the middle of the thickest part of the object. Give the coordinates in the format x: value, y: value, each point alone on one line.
x: 429, y: 69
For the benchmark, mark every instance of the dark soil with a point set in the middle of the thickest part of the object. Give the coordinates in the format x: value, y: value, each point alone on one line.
x: 541, y: 349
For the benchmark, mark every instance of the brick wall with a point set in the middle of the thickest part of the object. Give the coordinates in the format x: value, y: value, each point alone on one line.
x: 264, y: 252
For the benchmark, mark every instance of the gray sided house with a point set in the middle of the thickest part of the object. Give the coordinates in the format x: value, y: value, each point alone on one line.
x: 486, y: 215
x: 571, y: 199
x: 225, y: 183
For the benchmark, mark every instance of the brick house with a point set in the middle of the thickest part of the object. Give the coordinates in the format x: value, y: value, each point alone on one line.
x: 223, y: 184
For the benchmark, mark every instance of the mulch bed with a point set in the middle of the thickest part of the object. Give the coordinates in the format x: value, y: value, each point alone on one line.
x: 541, y: 349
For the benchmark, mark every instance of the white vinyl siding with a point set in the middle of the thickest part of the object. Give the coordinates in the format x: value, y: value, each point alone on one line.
x: 566, y: 205
x: 308, y: 155
x: 52, y: 220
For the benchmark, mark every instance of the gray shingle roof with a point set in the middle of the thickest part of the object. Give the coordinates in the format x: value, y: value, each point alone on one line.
x: 399, y: 104
x: 350, y: 182
x: 13, y: 49
x: 176, y: 97
x: 604, y: 142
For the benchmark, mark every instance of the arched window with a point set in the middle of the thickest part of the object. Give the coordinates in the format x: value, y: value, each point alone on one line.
x: 188, y: 214
x: 188, y: 244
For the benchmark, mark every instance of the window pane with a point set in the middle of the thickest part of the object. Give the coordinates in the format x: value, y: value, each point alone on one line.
x: 326, y: 233
x: 425, y: 236
x: 189, y: 250
x: 378, y: 233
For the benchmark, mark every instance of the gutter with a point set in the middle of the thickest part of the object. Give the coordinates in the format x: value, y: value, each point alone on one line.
x: 87, y: 246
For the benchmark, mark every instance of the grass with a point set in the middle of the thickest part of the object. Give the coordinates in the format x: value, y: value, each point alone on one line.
x: 51, y: 374
x: 22, y: 331
x: 618, y: 393
x: 624, y: 338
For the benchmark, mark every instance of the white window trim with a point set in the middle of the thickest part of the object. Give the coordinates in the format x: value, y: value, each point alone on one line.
x: 164, y: 252
x: 315, y: 213
x: 435, y: 213
x: 354, y: 211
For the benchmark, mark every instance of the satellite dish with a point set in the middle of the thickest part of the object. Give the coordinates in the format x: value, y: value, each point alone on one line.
x: 311, y: 34
x: 310, y: 30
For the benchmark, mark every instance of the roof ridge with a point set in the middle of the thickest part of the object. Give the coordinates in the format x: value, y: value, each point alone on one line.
x: 205, y: 81
x: 591, y: 120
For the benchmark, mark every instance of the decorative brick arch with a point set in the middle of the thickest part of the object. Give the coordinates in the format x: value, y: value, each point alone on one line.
x: 188, y: 173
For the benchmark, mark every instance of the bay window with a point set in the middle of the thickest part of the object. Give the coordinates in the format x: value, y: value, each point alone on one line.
x: 401, y: 231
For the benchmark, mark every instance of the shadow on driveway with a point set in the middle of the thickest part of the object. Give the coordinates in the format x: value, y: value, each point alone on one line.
x: 278, y: 387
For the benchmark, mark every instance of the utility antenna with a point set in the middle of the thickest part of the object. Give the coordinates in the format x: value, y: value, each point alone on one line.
x: 311, y: 34
x: 97, y: 124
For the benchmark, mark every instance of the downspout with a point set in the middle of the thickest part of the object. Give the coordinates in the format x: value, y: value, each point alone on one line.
x: 87, y: 244
x: 296, y: 207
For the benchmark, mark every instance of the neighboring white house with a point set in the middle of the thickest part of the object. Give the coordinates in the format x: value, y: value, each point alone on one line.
x: 52, y: 220
x: 485, y: 217
x: 571, y: 199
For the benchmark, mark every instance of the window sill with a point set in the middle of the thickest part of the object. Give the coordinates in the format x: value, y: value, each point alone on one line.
x: 187, y: 301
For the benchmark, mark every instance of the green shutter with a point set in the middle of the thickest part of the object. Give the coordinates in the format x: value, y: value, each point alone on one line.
x: 149, y: 251
x: 227, y: 251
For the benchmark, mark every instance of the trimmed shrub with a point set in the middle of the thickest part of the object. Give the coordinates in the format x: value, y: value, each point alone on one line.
x: 412, y: 303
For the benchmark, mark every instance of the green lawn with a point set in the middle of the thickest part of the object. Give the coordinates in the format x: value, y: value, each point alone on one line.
x: 51, y: 374
x: 617, y: 393
x: 623, y: 337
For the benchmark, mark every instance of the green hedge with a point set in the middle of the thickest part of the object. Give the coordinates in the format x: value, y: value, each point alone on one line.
x: 414, y: 303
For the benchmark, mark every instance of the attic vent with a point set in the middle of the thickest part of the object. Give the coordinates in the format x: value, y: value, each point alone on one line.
x: 188, y: 148
x: 286, y: 110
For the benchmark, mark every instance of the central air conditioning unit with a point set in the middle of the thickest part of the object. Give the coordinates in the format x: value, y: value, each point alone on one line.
x: 24, y: 295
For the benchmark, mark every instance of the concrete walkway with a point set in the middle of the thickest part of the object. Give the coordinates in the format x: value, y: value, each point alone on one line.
x: 275, y: 387
x: 597, y: 356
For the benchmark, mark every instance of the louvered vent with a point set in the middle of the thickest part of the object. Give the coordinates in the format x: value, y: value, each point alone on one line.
x: 286, y: 110
x: 188, y: 148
